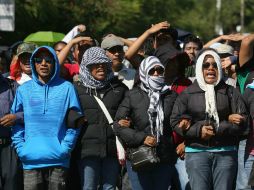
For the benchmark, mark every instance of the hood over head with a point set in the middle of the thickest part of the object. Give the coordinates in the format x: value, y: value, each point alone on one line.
x: 54, y: 75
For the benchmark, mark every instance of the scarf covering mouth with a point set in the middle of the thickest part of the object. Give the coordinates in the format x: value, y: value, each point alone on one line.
x: 155, y: 86
x: 95, y: 55
x: 210, y: 97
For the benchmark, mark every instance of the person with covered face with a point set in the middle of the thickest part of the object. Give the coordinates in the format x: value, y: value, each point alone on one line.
x: 149, y: 107
x: 98, y: 152
x: 211, y: 116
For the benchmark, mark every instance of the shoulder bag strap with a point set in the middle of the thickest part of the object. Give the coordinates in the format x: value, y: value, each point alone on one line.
x: 119, y: 146
x: 105, y: 111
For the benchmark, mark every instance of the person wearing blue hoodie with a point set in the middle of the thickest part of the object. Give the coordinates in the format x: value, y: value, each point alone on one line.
x: 45, y: 142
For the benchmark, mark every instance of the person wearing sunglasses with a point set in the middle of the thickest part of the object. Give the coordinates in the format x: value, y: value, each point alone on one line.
x: 21, y: 69
x: 148, y: 108
x: 45, y: 141
x: 217, y: 119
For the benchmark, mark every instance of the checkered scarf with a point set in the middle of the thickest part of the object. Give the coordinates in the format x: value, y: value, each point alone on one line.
x: 95, y: 55
x: 154, y: 86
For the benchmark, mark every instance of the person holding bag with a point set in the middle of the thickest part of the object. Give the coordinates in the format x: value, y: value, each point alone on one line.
x: 142, y: 123
x: 99, y: 93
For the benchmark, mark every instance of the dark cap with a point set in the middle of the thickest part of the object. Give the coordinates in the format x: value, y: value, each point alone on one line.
x: 26, y: 48
x: 166, y: 52
x: 171, y: 31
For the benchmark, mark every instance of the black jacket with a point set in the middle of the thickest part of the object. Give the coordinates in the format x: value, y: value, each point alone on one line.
x: 97, y: 137
x: 135, y: 106
x: 191, y: 104
x: 7, y: 93
x: 249, y: 100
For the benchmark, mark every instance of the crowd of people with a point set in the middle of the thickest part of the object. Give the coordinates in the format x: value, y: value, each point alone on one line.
x: 70, y: 114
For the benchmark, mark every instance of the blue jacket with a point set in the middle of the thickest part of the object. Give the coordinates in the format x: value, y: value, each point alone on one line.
x: 45, y: 140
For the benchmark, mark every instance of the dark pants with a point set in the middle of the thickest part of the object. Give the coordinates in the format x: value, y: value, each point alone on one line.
x: 51, y: 178
x: 212, y: 170
x: 10, y: 169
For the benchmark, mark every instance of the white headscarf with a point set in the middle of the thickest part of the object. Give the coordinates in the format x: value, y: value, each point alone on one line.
x: 210, y: 98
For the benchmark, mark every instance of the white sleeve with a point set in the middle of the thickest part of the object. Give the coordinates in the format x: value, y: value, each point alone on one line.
x: 71, y: 34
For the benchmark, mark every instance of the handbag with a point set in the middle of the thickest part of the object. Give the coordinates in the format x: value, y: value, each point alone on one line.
x: 120, y: 150
x: 143, y: 158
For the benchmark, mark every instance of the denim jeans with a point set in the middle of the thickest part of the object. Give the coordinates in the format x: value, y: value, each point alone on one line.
x: 51, y: 178
x: 96, y: 171
x: 212, y: 170
x: 245, y: 162
x: 157, y: 178
x: 182, y: 175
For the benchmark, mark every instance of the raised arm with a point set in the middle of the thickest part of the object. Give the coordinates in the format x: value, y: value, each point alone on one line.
x: 71, y: 34
x: 133, y: 49
x: 230, y: 37
x: 246, y: 50
x: 65, y: 51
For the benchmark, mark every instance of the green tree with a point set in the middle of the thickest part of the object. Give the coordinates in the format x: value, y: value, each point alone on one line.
x: 127, y: 18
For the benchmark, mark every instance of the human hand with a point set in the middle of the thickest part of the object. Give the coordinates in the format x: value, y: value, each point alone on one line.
x: 235, y: 37
x: 232, y: 68
x: 110, y: 35
x: 226, y: 62
x: 235, y: 118
x: 207, y: 132
x: 80, y: 122
x: 150, y: 141
x: 8, y: 120
x: 157, y: 27
x: 184, y: 124
x: 180, y: 150
x: 81, y: 28
x: 124, y: 122
x: 81, y: 39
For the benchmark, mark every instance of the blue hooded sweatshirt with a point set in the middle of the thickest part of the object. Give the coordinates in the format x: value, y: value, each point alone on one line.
x: 45, y: 140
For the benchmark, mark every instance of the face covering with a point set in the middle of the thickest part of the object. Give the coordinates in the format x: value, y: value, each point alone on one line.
x: 156, y: 83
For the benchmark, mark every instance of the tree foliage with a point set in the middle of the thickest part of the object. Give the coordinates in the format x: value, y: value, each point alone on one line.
x: 128, y: 18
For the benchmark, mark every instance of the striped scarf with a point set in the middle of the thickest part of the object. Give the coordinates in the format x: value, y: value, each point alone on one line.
x: 95, y: 55
x: 154, y: 86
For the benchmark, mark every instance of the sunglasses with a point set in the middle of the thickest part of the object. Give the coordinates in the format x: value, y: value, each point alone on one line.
x: 116, y: 49
x: 206, y: 65
x: 159, y: 70
x: 47, y: 59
